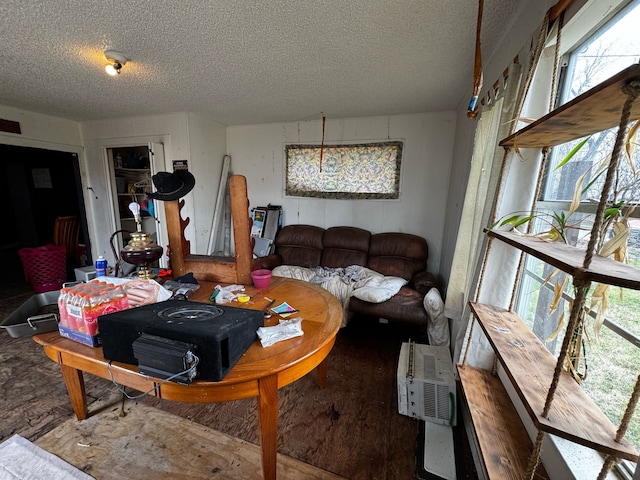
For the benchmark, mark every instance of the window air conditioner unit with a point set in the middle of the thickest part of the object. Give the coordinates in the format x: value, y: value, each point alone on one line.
x: 426, y: 385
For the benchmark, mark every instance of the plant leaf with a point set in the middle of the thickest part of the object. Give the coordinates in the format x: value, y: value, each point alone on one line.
x: 577, y: 194
x: 515, y: 220
x: 558, y: 288
x: 558, y: 328
x: 618, y: 240
x: 600, y: 298
x: 570, y: 155
x: 630, y: 144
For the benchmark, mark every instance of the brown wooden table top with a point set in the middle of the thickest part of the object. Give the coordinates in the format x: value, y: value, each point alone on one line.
x: 322, y: 317
x: 260, y: 372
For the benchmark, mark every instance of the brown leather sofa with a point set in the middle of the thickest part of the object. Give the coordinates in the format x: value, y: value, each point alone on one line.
x: 392, y: 254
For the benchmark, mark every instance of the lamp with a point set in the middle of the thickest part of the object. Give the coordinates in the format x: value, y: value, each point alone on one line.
x: 116, y: 62
x: 141, y: 250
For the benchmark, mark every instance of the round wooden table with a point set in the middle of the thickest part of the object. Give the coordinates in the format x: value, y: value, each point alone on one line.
x: 260, y: 372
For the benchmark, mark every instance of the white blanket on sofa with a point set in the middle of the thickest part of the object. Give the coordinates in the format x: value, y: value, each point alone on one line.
x: 344, y: 283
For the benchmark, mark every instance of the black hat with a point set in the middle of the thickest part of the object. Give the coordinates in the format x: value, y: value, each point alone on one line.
x: 172, y: 186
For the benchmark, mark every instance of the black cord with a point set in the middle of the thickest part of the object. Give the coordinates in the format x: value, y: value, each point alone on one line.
x: 113, y: 249
x: 196, y: 361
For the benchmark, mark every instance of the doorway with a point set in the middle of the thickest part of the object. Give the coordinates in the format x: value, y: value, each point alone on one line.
x: 36, y: 186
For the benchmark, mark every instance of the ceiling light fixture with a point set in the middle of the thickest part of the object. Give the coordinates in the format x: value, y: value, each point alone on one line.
x: 116, y: 62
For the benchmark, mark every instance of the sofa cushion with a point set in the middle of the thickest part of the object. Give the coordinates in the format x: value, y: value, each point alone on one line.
x: 405, y: 306
x: 344, y: 246
x: 398, y: 254
x: 300, y: 245
x: 379, y: 289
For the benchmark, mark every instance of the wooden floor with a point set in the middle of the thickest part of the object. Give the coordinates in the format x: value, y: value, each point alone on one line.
x: 164, y: 446
x: 352, y: 428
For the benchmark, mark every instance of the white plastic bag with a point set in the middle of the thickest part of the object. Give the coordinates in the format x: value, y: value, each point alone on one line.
x: 226, y: 294
x: 283, y: 331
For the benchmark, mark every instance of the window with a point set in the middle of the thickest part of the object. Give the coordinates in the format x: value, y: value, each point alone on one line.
x: 612, y: 361
x: 363, y: 171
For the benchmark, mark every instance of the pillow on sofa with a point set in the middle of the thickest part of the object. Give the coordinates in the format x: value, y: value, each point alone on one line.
x: 379, y: 289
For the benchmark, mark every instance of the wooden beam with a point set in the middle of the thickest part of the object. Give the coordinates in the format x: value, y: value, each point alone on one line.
x: 235, y: 269
x: 179, y: 247
x: 558, y: 8
x: 241, y: 228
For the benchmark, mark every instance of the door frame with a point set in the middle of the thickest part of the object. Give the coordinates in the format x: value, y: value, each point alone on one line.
x: 156, y: 164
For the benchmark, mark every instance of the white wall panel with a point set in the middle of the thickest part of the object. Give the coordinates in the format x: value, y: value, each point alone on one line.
x: 171, y: 130
x: 207, y: 140
x: 41, y: 131
x: 258, y: 153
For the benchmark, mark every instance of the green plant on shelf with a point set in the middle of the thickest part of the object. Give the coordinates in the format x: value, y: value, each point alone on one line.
x: 569, y: 227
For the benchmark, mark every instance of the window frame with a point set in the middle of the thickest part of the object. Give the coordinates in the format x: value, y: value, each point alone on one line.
x: 528, y: 277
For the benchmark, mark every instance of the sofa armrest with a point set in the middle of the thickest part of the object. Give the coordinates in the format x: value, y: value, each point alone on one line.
x: 423, y: 282
x: 270, y: 262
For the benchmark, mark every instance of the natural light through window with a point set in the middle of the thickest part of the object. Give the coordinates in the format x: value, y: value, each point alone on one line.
x: 609, y: 354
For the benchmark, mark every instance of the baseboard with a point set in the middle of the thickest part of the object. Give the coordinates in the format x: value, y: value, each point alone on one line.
x: 435, y: 452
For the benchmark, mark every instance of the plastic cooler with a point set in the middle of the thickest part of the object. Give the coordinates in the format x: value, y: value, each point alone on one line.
x: 45, y: 267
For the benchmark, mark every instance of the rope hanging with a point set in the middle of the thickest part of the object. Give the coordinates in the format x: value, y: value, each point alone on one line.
x: 466, y: 350
x: 534, y: 458
x: 632, y: 90
x: 624, y: 424
x: 582, y: 287
x: 322, y: 142
x: 578, y: 304
x: 556, y: 62
x: 472, y: 110
x: 503, y: 166
x: 545, y: 157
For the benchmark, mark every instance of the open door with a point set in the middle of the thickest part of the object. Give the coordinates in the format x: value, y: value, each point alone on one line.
x: 132, y: 168
x: 157, y: 163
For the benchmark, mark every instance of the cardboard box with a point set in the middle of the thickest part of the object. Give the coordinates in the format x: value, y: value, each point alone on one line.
x: 85, y: 274
x: 91, y: 340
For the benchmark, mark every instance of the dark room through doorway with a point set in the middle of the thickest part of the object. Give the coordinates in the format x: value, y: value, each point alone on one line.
x: 37, y: 185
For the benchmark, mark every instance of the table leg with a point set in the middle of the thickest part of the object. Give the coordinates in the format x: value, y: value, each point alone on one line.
x: 268, y: 414
x: 74, y: 380
x: 322, y: 373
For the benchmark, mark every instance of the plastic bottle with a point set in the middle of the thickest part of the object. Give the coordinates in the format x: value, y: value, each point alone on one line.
x: 74, y: 311
x: 96, y: 300
x: 62, y: 307
x: 122, y: 299
x: 101, y: 267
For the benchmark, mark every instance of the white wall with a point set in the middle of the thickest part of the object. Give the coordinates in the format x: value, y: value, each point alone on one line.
x: 42, y: 131
x: 257, y: 152
x: 207, y: 142
x: 181, y: 134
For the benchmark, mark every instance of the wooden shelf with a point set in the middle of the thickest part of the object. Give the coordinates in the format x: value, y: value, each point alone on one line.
x: 133, y: 170
x: 595, y: 110
x: 504, y: 443
x: 530, y: 367
x: 570, y: 260
x: 132, y: 219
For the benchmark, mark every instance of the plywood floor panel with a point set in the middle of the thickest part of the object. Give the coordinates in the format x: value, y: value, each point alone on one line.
x: 151, y: 444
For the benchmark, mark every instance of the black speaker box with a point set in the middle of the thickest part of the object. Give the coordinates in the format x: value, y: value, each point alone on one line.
x: 220, y: 334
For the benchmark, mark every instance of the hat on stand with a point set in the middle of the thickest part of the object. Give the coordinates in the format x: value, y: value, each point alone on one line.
x: 172, y: 186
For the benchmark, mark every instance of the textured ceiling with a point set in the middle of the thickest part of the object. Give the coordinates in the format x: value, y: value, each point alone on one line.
x: 240, y: 61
